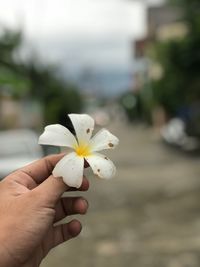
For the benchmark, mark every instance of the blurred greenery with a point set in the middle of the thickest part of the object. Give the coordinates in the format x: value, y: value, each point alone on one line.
x: 32, y: 80
x: 175, y: 92
x: 179, y: 86
x: 131, y: 103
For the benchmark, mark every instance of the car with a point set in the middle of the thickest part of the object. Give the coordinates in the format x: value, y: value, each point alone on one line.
x: 17, y: 149
x: 175, y: 133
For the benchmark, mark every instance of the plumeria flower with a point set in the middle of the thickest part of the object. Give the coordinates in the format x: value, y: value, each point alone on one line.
x: 85, y: 147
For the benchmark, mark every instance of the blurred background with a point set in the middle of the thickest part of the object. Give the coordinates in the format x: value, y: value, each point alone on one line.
x: 135, y: 67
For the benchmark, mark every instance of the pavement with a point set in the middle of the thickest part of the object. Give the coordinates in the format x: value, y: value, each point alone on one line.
x: 147, y: 216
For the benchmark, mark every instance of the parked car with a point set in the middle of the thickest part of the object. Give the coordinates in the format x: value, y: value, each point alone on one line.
x: 18, y: 148
x: 175, y: 133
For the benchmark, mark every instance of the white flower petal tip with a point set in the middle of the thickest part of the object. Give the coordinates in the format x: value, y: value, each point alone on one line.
x: 70, y: 168
x: 85, y: 147
x: 57, y: 135
x: 102, y: 166
x: 83, y: 125
x: 103, y: 140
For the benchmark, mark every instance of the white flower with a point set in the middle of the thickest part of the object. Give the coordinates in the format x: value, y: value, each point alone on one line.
x: 71, y: 166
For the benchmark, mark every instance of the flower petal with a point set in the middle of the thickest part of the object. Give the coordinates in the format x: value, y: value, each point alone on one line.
x: 103, y: 140
x: 101, y: 165
x: 57, y: 135
x: 70, y: 168
x: 83, y: 125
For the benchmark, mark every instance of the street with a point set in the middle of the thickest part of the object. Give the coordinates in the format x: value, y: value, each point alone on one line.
x: 148, y: 215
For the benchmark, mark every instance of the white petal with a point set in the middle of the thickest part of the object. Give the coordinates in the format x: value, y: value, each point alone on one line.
x: 83, y: 125
x: 101, y: 165
x: 57, y: 135
x: 70, y: 168
x: 103, y: 140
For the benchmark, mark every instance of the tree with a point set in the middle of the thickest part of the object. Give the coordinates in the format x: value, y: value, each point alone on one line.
x: 33, y: 80
x: 180, y: 61
x: 178, y: 90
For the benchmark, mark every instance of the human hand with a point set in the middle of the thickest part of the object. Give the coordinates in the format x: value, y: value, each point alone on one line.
x: 30, y: 205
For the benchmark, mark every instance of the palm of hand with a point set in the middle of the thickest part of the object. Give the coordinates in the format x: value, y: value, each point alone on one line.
x: 31, y: 205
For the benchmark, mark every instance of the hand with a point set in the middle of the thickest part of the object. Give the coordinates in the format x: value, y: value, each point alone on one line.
x: 30, y: 205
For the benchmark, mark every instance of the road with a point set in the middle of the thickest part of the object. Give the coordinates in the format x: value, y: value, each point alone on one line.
x: 149, y: 215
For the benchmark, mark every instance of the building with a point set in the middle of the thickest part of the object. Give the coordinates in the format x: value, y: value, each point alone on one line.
x: 163, y: 23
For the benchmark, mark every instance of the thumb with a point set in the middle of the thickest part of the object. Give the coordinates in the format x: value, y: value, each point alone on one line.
x: 51, y: 189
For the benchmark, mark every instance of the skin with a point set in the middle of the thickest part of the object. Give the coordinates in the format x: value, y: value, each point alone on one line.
x: 30, y: 205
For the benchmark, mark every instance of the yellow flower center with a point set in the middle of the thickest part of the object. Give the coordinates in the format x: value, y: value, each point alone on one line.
x: 83, y: 150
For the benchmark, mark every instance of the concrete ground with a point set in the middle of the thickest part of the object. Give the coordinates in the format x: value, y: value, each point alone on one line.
x: 149, y: 215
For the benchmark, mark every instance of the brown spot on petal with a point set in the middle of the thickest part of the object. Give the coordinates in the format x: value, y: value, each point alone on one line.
x: 106, y: 158
x: 110, y: 145
x: 88, y: 131
x: 98, y: 170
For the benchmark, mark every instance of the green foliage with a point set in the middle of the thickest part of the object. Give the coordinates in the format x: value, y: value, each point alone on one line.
x: 180, y: 60
x: 35, y: 81
x: 58, y: 97
x: 131, y: 103
x: 9, y: 42
x: 13, y: 83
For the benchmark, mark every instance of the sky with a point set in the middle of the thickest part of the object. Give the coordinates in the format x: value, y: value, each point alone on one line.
x: 94, y: 35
